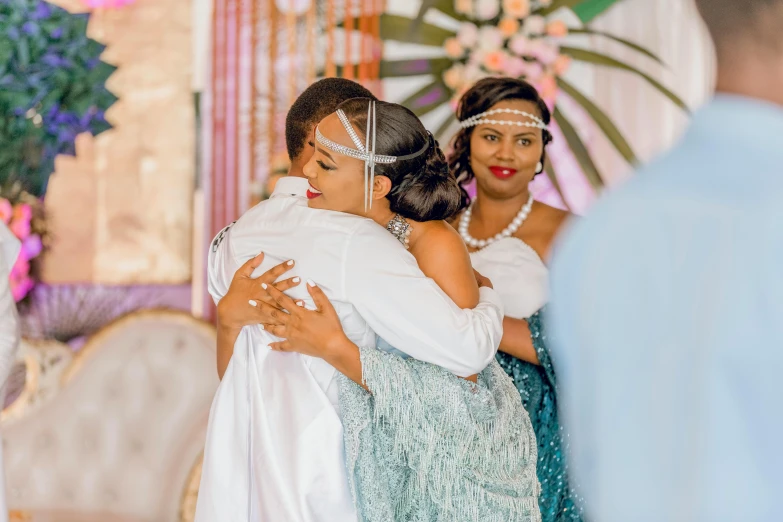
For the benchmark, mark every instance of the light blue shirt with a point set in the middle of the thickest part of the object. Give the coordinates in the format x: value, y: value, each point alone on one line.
x: 667, y: 310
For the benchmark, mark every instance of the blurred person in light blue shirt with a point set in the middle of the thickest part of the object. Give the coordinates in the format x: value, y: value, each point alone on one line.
x: 667, y: 307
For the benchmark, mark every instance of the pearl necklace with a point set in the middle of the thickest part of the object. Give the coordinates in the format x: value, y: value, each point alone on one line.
x: 472, y: 242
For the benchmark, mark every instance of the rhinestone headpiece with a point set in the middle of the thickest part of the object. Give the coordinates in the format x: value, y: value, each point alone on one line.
x: 364, y: 152
x: 482, y: 118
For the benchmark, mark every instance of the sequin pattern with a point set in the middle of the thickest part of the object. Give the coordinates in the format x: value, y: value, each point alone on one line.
x: 427, y: 446
x: 538, y: 387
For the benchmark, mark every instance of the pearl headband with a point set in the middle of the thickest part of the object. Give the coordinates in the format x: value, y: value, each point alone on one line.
x: 364, y: 152
x: 482, y: 118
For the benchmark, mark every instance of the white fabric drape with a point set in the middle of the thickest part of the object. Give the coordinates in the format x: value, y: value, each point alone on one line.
x: 673, y: 31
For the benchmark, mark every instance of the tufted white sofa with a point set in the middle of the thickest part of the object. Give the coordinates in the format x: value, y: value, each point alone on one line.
x: 114, y: 433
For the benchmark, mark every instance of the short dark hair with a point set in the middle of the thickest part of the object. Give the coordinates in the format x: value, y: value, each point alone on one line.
x: 485, y: 94
x: 317, y: 102
x: 761, y: 19
x: 423, y: 189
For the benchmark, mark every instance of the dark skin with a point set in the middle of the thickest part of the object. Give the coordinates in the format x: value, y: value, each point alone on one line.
x: 498, y: 201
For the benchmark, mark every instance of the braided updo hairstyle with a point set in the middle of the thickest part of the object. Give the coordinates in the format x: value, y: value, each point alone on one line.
x: 423, y: 188
x: 484, y: 95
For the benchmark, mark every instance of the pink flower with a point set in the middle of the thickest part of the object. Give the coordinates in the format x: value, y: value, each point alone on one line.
x: 516, y: 8
x: 557, y: 29
x: 454, y: 77
x: 514, y: 67
x: 487, y: 9
x: 32, y: 246
x: 519, y: 45
x: 467, y: 35
x: 534, y: 71
x: 547, y: 87
x: 20, y: 269
x: 20, y: 228
x: 543, y: 51
x: 561, y: 65
x: 453, y: 48
x: 490, y: 38
x: 508, y: 26
x: 495, y: 61
x: 23, y: 211
x: 534, y: 25
x: 6, y: 210
x: 20, y: 288
x: 464, y: 7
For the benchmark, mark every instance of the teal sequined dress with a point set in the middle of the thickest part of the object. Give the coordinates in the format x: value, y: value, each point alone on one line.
x: 538, y: 387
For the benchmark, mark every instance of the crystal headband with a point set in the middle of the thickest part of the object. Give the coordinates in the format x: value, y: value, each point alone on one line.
x: 480, y: 119
x: 365, y: 152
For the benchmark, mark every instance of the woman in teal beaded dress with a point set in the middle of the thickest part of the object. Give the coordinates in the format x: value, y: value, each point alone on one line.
x: 502, y: 147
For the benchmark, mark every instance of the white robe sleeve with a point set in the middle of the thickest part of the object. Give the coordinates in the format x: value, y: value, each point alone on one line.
x: 9, y: 324
x: 410, y: 311
x: 221, y: 265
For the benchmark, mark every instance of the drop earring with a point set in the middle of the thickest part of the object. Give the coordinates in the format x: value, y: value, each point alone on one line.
x: 539, y: 167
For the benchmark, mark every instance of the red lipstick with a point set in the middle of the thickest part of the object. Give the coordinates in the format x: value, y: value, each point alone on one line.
x: 502, y: 172
x: 313, y: 192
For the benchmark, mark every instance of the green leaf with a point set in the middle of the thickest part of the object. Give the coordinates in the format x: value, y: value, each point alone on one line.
x: 627, y: 43
x: 549, y: 169
x: 579, y: 150
x: 604, y: 122
x: 587, y: 10
x: 583, y: 55
x: 446, y: 7
x: 555, y: 5
x: 427, y: 98
x: 398, y: 28
x: 414, y: 67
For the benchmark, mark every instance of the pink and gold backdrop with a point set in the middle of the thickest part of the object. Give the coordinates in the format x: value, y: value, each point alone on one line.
x: 120, y: 212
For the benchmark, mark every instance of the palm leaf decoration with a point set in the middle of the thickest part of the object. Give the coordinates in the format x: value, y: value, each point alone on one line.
x: 531, y: 58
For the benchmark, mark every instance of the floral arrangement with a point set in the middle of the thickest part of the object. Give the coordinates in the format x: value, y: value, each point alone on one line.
x: 23, y: 216
x: 520, y: 45
x: 52, y: 88
x: 517, y: 38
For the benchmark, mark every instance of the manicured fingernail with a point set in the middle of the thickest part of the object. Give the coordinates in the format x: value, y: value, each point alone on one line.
x: 296, y: 280
x: 300, y: 303
x: 310, y: 282
x: 252, y: 303
x: 290, y: 263
x: 263, y: 285
x: 261, y: 326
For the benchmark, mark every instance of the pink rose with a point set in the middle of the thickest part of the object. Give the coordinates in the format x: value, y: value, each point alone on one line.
x: 534, y: 71
x: 32, y: 246
x: 23, y: 211
x: 557, y: 29
x: 453, y: 48
x: 519, y: 45
x: 515, y: 67
x: 508, y: 26
x: 464, y: 7
x: 534, y: 25
x: 487, y: 9
x: 6, y: 210
x: 467, y: 35
x: 561, y: 65
x: 516, y: 8
x: 454, y: 77
x: 20, y: 228
x: 495, y: 61
x: 490, y: 38
x: 547, y: 87
x: 20, y: 288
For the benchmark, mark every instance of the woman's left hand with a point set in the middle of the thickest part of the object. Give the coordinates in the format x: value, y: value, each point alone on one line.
x: 317, y: 333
